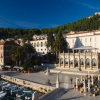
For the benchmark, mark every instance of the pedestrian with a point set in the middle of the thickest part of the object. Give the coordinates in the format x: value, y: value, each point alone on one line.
x: 71, y: 80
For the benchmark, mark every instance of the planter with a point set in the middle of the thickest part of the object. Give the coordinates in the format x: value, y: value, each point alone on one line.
x: 29, y: 71
x: 77, y: 89
x: 9, y: 69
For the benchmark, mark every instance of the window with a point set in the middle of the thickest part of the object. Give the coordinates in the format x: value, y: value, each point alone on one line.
x: 95, y: 39
x: 41, y: 49
x: 34, y: 44
x: 45, y: 43
x: 90, y: 39
x: 37, y: 44
x: 73, y: 40
x: 81, y: 40
x: 41, y: 43
x: 85, y: 39
x: 95, y: 44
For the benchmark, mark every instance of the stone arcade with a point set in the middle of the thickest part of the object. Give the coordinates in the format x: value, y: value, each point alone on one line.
x: 82, y: 58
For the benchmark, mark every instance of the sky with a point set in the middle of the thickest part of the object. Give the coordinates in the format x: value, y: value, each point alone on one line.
x: 44, y: 13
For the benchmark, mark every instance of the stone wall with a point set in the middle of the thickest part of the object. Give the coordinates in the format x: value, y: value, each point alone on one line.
x: 33, y: 86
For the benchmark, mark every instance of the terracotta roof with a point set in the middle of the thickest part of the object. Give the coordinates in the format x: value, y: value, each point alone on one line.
x: 8, y: 43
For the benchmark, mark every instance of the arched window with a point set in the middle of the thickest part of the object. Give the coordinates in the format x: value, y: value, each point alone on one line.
x: 61, y: 60
x: 93, y: 62
x: 88, y: 61
x: 81, y: 61
x: 71, y: 61
x: 66, y: 61
x: 76, y: 62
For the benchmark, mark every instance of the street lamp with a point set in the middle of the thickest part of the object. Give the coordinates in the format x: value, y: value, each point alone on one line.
x: 57, y: 80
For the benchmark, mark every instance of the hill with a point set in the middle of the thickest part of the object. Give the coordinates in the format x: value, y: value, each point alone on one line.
x: 85, y: 24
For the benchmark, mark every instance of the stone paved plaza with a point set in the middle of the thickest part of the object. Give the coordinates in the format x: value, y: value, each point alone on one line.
x: 65, y: 94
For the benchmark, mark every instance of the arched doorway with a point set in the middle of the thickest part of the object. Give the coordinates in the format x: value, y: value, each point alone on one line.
x: 76, y: 62
x: 88, y: 63
x: 71, y: 62
x: 61, y: 61
x: 82, y: 62
x: 66, y: 61
x: 94, y: 62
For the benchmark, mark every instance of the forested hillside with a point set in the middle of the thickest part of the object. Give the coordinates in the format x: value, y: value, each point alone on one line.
x: 85, y: 24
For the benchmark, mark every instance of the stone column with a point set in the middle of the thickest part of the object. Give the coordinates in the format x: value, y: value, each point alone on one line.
x: 68, y: 59
x: 35, y: 96
x: 73, y: 59
x: 98, y: 77
x: 88, y: 82
x: 81, y: 78
x: 76, y: 83
x: 57, y: 81
x: 98, y: 80
x: 91, y: 60
x: 84, y: 59
x: 79, y: 60
x: 59, y: 60
x: 63, y: 59
x: 84, y: 85
x: 97, y: 58
x: 92, y: 79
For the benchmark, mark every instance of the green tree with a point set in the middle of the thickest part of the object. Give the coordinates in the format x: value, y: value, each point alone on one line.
x: 17, y: 54
x: 27, y: 64
x: 60, y: 43
x: 28, y: 50
x: 50, y: 40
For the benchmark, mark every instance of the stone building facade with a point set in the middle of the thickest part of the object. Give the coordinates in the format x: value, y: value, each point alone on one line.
x: 85, y: 51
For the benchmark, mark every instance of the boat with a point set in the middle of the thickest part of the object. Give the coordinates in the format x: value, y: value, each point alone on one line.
x: 2, y: 95
x: 6, y: 86
x: 1, y: 92
x: 16, y: 89
x: 9, y: 87
x: 20, y: 94
x: 26, y: 90
x: 3, y: 83
x: 29, y: 96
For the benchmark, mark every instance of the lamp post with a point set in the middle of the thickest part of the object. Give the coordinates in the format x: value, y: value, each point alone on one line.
x: 57, y: 80
x: 84, y: 85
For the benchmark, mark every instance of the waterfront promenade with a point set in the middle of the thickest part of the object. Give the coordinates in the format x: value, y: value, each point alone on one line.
x: 66, y: 94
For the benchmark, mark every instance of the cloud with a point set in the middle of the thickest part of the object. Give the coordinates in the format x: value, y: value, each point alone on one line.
x: 6, y: 23
x: 89, y: 6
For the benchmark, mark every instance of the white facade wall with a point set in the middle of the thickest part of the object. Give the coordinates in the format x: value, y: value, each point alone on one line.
x: 84, y: 39
x: 40, y: 46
